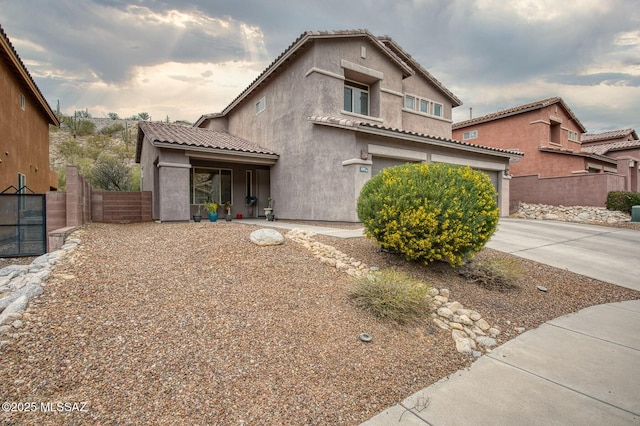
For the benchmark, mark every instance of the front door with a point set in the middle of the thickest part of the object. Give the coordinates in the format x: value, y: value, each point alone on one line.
x: 263, y: 185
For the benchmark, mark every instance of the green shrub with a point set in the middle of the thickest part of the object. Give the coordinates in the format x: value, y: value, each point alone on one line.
x: 622, y: 200
x: 111, y: 130
x: 493, y: 273
x: 391, y: 295
x: 429, y: 212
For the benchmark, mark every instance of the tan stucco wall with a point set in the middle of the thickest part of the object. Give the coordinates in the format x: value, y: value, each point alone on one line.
x: 309, y: 180
x: 24, y: 145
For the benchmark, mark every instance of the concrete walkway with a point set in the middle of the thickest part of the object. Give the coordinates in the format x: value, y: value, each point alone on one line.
x: 579, y: 369
x: 607, y: 254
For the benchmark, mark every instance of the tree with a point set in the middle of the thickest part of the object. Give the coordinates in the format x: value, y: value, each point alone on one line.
x: 111, y: 174
x: 143, y: 116
x: 113, y: 116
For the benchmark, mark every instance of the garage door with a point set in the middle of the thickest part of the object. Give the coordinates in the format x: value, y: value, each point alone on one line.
x: 494, y: 176
x: 380, y: 163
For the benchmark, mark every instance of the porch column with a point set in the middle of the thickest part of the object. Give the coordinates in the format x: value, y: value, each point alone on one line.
x: 173, y: 191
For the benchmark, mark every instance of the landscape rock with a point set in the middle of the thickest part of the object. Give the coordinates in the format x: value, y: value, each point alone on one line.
x: 578, y: 214
x: 266, y: 237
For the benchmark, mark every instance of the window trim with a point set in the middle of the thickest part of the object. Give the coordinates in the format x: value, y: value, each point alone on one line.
x: 418, y: 101
x: 261, y: 105
x: 23, y: 102
x: 192, y: 189
x: 363, y: 88
x: 471, y: 134
x: 575, y: 138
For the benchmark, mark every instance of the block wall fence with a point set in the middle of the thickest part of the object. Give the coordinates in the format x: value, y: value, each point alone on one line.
x: 82, y: 204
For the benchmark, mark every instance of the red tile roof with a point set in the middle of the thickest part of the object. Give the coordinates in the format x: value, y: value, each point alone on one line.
x: 519, y: 110
x: 196, y: 137
x: 356, y: 124
x: 613, y: 134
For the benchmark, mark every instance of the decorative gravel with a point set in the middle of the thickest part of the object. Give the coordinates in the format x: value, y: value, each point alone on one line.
x: 193, y: 324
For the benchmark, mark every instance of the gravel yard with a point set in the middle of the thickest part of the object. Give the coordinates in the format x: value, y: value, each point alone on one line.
x: 191, y: 323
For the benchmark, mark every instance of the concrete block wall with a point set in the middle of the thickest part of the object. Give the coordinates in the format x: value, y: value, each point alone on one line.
x: 81, y: 204
x: 582, y: 190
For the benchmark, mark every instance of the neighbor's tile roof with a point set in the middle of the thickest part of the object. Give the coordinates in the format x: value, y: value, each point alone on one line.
x: 14, y: 61
x: 613, y: 134
x: 603, y: 148
x: 194, y: 137
x: 519, y: 110
x: 596, y: 143
x: 342, y: 122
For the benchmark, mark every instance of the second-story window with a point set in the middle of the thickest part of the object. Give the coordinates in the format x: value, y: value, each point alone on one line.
x: 261, y: 105
x: 356, y: 98
x: 23, y: 102
x: 573, y: 136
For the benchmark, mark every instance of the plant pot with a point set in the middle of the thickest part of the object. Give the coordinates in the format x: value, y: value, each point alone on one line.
x: 213, y: 217
x: 270, y: 217
x: 197, y: 218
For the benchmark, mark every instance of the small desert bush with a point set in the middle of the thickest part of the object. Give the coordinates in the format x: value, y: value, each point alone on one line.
x: 429, y: 212
x: 493, y: 273
x: 391, y: 295
x: 622, y: 200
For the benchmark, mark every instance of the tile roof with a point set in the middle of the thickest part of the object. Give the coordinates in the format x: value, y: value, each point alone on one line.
x: 604, y: 148
x: 519, y: 110
x: 613, y: 134
x: 356, y: 124
x: 14, y: 60
x: 383, y: 43
x: 592, y: 155
x: 195, y: 137
x: 398, y: 50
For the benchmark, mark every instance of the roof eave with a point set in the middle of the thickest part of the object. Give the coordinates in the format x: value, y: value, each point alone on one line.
x: 27, y: 79
x: 579, y: 154
x: 421, y: 138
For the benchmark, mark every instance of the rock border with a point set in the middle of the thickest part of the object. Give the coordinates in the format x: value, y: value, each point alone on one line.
x: 471, y: 333
x: 20, y: 283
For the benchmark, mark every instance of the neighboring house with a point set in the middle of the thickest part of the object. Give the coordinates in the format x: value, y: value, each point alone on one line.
x: 25, y: 117
x: 330, y: 112
x: 621, y: 145
x: 548, y: 133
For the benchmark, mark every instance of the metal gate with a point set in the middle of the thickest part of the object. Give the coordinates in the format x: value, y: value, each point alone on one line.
x: 23, y: 223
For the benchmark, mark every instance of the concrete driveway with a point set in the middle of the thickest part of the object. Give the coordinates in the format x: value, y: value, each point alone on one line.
x: 607, y: 254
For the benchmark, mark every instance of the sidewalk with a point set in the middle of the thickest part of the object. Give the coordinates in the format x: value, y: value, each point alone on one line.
x: 579, y: 369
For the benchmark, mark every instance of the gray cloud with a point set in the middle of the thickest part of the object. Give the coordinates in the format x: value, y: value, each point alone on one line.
x: 492, y: 54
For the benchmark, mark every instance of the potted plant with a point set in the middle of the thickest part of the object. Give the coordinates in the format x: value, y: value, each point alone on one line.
x: 268, y: 211
x: 197, y: 217
x: 227, y: 207
x: 212, y: 209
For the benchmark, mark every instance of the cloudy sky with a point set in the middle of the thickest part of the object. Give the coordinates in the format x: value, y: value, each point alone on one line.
x: 183, y: 59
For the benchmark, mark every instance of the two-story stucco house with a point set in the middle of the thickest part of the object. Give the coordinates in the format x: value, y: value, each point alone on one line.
x: 555, y: 168
x: 328, y: 113
x: 25, y: 117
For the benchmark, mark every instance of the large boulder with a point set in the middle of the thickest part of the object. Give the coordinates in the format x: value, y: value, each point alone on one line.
x: 266, y: 237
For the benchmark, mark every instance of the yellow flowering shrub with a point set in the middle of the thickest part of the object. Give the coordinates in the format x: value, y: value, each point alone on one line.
x: 430, y: 212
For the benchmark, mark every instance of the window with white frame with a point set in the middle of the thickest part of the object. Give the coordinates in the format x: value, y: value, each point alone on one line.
x: 23, y: 102
x: 261, y: 105
x: 409, y: 102
x: 356, y: 98
x: 209, y: 184
x: 22, y: 183
x: 470, y: 135
x: 573, y: 136
x: 424, y: 106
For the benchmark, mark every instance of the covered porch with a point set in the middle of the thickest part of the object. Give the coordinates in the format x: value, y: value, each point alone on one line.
x: 186, y: 167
